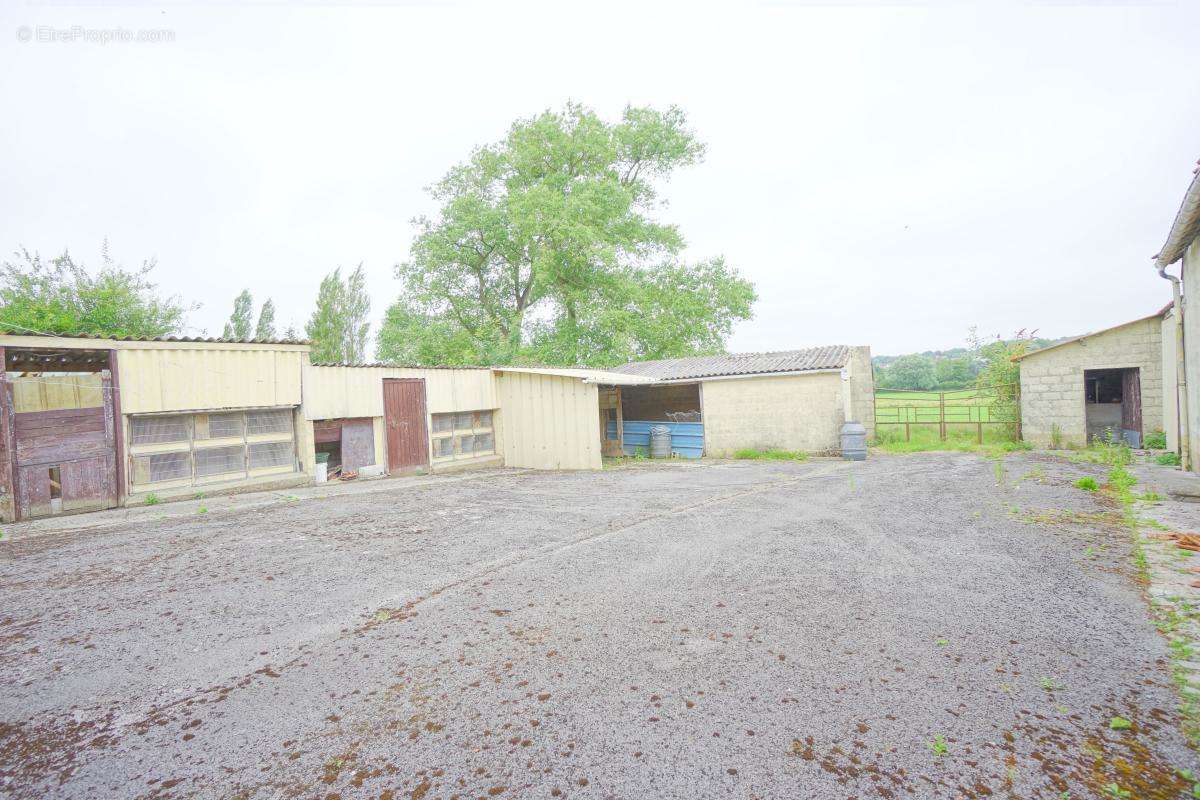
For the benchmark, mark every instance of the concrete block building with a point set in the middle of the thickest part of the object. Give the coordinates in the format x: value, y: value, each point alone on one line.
x: 1181, y: 351
x: 1107, y: 381
x: 788, y: 400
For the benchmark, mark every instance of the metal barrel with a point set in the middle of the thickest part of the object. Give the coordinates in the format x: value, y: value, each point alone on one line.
x: 854, y: 441
x: 660, y: 442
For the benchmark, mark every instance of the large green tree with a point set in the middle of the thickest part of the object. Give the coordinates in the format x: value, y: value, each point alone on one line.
x: 238, y: 327
x: 265, y: 329
x: 545, y: 249
x: 338, y: 327
x: 62, y: 296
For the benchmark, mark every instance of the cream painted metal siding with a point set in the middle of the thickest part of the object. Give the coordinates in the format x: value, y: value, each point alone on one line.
x: 791, y: 412
x: 1052, y: 381
x: 208, y: 377
x: 548, y: 422
x: 338, y: 392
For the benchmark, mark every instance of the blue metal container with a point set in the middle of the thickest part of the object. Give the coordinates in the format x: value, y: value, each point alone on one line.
x: 687, y: 438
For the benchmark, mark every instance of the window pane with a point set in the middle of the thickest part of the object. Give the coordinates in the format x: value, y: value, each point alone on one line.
x: 466, y: 444
x: 463, y: 421
x: 485, y: 419
x: 161, y: 467
x: 484, y: 443
x: 443, y: 423
x: 219, y: 460
x: 443, y: 447
x: 220, y: 426
x: 270, y: 454
x: 274, y: 421
x: 155, y: 430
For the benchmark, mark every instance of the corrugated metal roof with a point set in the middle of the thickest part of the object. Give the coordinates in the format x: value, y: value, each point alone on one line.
x: 611, y: 378
x: 194, y: 339
x: 1186, y: 227
x: 671, y: 369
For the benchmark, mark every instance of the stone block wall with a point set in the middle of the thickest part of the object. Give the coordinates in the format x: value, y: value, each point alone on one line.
x: 1052, y: 388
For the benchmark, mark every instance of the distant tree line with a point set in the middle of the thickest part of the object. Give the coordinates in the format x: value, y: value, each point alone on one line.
x: 982, y: 363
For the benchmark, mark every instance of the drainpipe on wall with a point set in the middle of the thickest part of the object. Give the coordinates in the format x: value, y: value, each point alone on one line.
x: 1185, y: 455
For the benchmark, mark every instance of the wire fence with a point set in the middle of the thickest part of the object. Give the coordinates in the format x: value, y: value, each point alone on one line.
x: 975, y: 409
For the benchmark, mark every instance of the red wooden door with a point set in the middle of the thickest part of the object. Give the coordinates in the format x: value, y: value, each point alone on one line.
x: 404, y: 416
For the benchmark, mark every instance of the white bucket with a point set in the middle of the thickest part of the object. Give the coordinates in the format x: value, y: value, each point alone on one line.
x: 321, y: 473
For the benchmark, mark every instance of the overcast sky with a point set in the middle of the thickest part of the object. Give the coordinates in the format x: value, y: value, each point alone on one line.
x: 886, y: 175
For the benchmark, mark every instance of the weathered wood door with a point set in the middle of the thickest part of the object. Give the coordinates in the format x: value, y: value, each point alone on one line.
x: 1131, y: 400
x: 404, y: 417
x: 65, y: 459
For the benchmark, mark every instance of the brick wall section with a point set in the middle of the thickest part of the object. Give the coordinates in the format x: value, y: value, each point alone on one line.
x: 862, y: 388
x: 1052, y: 381
x: 1191, y: 350
x: 791, y: 412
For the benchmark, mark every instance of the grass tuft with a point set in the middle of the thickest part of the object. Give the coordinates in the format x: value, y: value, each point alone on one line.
x: 1088, y: 484
x: 771, y: 455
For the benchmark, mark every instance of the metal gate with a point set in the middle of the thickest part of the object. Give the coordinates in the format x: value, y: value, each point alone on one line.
x: 64, y: 459
x: 404, y: 416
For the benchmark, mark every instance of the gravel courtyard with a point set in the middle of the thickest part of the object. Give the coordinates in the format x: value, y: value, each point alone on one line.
x: 744, y: 630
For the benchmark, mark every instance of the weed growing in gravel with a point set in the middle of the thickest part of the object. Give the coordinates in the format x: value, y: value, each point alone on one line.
x: 1155, y: 440
x: 1168, y: 459
x: 152, y: 499
x: 938, y: 746
x: 1120, y: 724
x: 942, y: 642
x: 1088, y: 484
x: 202, y: 510
x: 1115, y: 791
x: 1051, y: 685
x: 1149, y: 497
x: 771, y: 455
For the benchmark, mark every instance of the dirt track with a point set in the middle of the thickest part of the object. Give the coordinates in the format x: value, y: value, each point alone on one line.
x: 717, y: 630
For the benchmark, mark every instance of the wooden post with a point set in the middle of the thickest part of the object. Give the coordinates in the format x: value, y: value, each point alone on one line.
x: 979, y: 431
x: 8, y: 497
x: 118, y: 424
x: 907, y: 429
x: 942, y: 415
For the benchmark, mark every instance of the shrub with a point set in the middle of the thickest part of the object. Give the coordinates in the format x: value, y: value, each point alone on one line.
x: 1087, y: 484
x: 1168, y: 459
x: 152, y: 499
x: 1156, y: 441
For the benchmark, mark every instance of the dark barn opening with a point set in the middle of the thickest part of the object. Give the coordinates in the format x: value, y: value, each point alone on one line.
x: 1113, y: 405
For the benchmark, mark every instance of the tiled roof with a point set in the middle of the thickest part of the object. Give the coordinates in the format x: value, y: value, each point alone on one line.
x: 670, y: 369
x: 1186, y: 227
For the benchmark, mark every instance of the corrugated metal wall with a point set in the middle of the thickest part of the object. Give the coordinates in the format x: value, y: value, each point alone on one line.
x: 548, y: 422
x: 334, y: 392
x: 208, y: 377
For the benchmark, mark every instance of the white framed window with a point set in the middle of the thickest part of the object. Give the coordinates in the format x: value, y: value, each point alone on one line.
x: 463, y: 434
x: 183, y: 449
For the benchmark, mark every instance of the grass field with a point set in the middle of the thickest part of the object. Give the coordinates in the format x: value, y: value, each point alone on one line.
x: 924, y: 412
x: 962, y: 406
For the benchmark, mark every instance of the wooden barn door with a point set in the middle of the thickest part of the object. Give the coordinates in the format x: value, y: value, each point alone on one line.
x: 65, y: 459
x: 404, y: 417
x: 1131, y: 401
